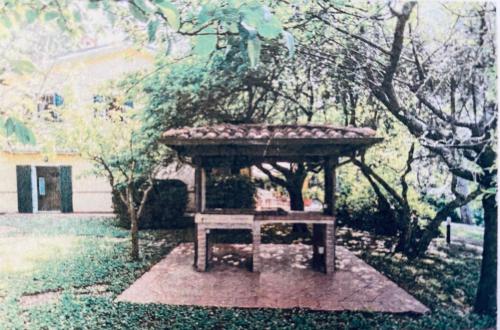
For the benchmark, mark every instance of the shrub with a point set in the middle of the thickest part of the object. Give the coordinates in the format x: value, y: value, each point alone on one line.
x: 164, y: 208
x: 372, y: 220
x: 357, y: 208
x: 230, y: 192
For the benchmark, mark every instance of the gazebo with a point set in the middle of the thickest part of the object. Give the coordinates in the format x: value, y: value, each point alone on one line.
x: 239, y: 146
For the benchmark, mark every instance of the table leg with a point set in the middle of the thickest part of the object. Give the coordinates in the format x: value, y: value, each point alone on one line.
x: 318, y: 244
x: 196, y: 245
x: 201, y: 235
x: 256, y: 263
x: 210, y: 243
x: 330, y: 248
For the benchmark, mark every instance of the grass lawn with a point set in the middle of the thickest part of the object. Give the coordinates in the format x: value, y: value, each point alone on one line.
x: 82, y: 265
x: 468, y: 234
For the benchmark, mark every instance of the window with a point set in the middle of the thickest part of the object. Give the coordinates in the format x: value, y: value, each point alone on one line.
x: 99, y: 99
x: 47, y: 104
x: 111, y: 106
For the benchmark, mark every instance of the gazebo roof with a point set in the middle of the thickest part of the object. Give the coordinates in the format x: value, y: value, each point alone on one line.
x: 257, y: 142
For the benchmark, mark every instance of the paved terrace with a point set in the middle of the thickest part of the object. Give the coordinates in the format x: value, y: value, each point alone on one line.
x: 286, y: 281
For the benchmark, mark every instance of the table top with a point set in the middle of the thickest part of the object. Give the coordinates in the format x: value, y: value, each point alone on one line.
x: 235, y: 216
x: 294, y: 215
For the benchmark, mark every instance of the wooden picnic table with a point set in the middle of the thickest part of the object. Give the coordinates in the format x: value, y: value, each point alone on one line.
x: 323, y: 233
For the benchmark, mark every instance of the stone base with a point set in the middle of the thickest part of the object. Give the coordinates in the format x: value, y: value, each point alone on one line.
x: 286, y: 280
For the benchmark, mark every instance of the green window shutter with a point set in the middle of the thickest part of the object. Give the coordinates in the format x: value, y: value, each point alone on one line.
x: 66, y: 189
x: 24, y: 191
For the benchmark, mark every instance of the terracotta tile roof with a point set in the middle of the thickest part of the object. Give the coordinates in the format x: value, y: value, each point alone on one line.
x: 265, y: 132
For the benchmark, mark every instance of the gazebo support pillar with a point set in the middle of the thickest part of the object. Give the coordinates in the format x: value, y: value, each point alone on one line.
x: 329, y: 231
x: 201, y: 247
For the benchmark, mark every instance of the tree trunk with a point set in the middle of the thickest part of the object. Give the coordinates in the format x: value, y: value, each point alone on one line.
x: 134, y: 228
x: 296, y: 200
x: 486, y: 292
x: 406, y: 239
x: 297, y: 204
x: 465, y: 211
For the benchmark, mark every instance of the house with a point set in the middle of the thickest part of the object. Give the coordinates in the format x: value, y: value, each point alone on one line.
x: 32, y: 181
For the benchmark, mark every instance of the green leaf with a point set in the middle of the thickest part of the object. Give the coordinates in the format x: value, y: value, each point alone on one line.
x: 253, y: 49
x: 206, y: 14
x: 142, y: 6
x: 10, y: 127
x: 19, y: 130
x: 93, y: 4
x: 171, y: 13
x: 152, y: 28
x: 231, y: 27
x: 205, y: 44
x: 61, y: 23
x: 6, y: 21
x: 22, y: 66
x: 252, y: 16
x: 49, y: 16
x: 77, y: 16
x: 31, y: 15
x: 490, y: 191
x: 270, y: 29
x: 289, y: 42
x: 137, y: 12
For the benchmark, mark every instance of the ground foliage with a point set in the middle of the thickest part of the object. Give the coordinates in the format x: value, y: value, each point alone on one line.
x: 100, y: 255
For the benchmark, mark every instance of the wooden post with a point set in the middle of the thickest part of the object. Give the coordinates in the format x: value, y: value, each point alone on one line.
x: 330, y: 182
x: 448, y: 230
x: 329, y: 232
x: 318, y: 261
x: 200, y: 202
x: 200, y: 188
x: 256, y: 263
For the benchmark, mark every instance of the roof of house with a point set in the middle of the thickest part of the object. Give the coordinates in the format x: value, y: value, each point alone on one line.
x: 258, y: 141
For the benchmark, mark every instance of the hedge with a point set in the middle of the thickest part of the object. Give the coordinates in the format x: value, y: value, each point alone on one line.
x: 164, y: 208
x: 230, y: 192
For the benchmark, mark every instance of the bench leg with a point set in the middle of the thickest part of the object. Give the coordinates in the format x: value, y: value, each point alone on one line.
x: 256, y: 263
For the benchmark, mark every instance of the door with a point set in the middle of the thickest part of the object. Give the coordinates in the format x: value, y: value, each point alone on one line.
x: 66, y: 189
x: 24, y: 189
x: 48, y: 188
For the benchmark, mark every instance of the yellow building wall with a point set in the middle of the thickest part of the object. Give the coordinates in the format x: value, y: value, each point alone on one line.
x: 84, y: 73
x: 90, y: 193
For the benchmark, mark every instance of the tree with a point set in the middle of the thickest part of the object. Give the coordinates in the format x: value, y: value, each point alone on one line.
x: 111, y: 136
x: 443, y: 95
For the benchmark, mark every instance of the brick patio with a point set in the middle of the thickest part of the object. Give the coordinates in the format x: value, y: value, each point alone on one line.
x: 285, y: 281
